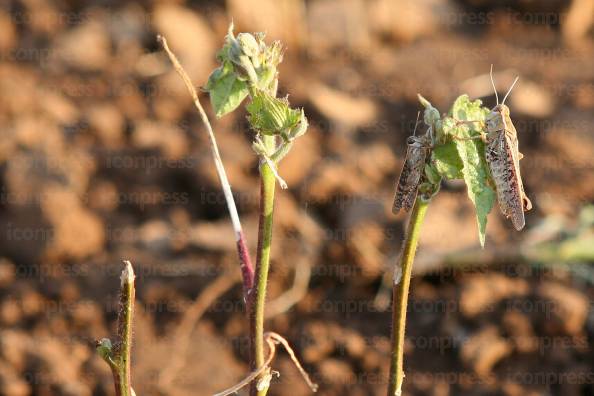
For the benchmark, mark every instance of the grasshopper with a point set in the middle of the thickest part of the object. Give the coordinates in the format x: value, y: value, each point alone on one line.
x: 417, y: 152
x: 503, y: 159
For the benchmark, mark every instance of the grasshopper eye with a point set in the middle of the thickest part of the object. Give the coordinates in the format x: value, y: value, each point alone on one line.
x: 410, y: 140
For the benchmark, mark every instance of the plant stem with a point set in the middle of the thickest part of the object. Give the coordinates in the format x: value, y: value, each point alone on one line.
x: 402, y: 274
x: 258, y: 292
x: 118, y: 355
x: 123, y: 346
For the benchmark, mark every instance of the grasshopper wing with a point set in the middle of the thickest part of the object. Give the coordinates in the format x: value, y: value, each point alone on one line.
x: 502, y: 156
x: 410, y: 177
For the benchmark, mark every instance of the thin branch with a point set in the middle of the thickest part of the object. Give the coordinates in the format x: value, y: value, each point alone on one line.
x: 247, y: 268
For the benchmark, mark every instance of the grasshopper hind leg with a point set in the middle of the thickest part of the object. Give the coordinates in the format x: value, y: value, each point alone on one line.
x: 517, y: 212
x: 518, y: 220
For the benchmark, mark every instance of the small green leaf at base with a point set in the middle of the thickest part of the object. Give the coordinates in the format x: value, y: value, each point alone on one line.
x: 105, y: 350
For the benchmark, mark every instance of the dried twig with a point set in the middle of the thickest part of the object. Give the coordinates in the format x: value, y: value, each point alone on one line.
x: 245, y: 262
x: 280, y: 339
x: 272, y: 339
x: 246, y: 381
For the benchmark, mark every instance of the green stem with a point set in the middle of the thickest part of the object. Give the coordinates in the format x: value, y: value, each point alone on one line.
x: 400, y: 297
x: 258, y: 292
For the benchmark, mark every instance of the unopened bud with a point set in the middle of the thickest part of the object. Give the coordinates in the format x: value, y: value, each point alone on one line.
x: 248, y: 45
x: 272, y: 116
x: 431, y: 115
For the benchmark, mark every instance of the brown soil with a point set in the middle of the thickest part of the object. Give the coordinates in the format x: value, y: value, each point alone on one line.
x: 103, y: 158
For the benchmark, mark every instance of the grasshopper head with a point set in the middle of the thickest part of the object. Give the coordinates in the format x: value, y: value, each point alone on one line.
x: 495, y: 119
x: 418, y: 141
x: 501, y: 109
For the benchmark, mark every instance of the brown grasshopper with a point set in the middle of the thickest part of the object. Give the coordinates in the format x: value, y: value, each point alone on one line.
x: 417, y: 152
x: 503, y: 159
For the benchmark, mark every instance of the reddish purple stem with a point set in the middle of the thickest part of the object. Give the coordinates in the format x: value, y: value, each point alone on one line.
x: 245, y: 262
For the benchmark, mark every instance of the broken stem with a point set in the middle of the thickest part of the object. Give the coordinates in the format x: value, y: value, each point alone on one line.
x: 125, y: 315
x: 118, y: 356
x: 402, y: 274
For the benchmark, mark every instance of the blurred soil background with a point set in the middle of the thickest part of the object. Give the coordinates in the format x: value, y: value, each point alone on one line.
x: 103, y: 158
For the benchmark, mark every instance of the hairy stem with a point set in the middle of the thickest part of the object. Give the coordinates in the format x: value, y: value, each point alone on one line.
x: 258, y: 293
x: 402, y: 274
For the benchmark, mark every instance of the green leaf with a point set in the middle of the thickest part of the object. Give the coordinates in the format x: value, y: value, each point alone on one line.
x: 105, y: 350
x: 472, y: 154
x: 226, y: 91
x: 447, y: 161
x: 432, y: 174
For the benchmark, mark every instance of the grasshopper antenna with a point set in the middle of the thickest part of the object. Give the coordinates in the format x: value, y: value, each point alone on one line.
x: 510, y: 89
x: 416, y: 123
x: 493, y: 84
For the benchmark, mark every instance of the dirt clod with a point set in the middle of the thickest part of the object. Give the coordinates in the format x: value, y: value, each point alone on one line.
x: 569, y: 307
x: 481, y: 292
x: 485, y: 349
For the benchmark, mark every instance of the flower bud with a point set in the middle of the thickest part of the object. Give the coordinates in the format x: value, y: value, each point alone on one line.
x: 272, y: 116
x: 251, y: 58
x: 248, y: 45
x: 431, y: 115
